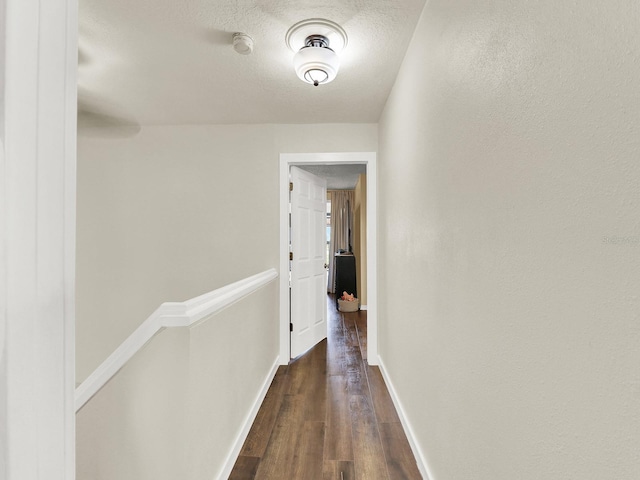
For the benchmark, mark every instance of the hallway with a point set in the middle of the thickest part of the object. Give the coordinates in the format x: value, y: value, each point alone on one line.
x: 329, y: 416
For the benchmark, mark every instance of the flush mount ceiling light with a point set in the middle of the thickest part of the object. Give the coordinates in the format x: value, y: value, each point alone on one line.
x: 316, y: 43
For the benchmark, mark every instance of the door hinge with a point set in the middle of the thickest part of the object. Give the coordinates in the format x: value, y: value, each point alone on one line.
x: 291, y: 186
x: 291, y: 256
x: 291, y: 327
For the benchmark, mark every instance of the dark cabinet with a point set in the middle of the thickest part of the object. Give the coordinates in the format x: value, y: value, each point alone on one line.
x: 345, y: 275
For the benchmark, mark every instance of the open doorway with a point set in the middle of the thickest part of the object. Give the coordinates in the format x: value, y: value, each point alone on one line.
x: 345, y: 225
x: 366, y: 160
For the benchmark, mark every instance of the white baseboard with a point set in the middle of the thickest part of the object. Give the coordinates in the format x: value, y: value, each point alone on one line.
x: 363, y: 307
x: 251, y: 416
x: 417, y: 453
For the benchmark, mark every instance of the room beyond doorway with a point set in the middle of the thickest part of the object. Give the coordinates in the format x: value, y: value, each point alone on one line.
x: 345, y: 221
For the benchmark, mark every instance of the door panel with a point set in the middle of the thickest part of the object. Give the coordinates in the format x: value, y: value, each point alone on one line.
x: 308, y: 275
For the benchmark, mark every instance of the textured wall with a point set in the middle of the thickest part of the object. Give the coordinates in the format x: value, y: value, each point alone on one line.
x: 175, y: 212
x: 510, y: 239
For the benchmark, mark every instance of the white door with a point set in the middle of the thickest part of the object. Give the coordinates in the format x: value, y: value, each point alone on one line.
x: 308, y: 248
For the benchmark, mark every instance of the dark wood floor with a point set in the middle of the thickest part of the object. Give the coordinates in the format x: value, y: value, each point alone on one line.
x: 328, y: 416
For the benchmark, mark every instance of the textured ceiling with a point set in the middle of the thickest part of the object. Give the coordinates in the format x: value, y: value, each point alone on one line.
x: 338, y: 177
x: 167, y: 62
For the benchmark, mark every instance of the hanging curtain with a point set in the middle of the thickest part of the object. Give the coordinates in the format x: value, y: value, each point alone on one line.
x: 341, y: 227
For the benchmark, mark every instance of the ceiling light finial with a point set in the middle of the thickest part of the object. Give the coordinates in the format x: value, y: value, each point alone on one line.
x: 316, y: 43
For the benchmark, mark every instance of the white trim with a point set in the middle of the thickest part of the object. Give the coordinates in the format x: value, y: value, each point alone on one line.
x: 413, y: 442
x: 169, y: 314
x: 363, y: 307
x: 368, y: 159
x: 251, y: 416
x: 37, y: 239
x: 70, y: 179
x: 372, y: 261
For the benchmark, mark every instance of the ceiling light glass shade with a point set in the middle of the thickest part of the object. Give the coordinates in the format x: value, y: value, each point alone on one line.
x: 316, y: 65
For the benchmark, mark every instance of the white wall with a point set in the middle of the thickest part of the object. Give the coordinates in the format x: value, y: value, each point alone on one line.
x: 134, y: 428
x: 176, y: 410
x: 238, y: 349
x: 510, y: 239
x: 37, y: 238
x: 177, y: 211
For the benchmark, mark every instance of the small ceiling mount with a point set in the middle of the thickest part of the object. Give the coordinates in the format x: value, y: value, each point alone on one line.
x: 297, y: 35
x: 316, y: 43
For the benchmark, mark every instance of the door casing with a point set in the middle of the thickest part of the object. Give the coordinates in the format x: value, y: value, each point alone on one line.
x: 362, y: 158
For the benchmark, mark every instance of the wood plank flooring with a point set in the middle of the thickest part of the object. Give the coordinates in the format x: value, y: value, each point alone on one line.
x: 328, y: 416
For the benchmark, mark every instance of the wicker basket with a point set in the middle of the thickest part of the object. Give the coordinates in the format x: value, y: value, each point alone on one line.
x: 345, y: 306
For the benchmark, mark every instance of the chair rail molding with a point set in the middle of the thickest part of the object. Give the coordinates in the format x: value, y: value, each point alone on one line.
x: 169, y: 315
